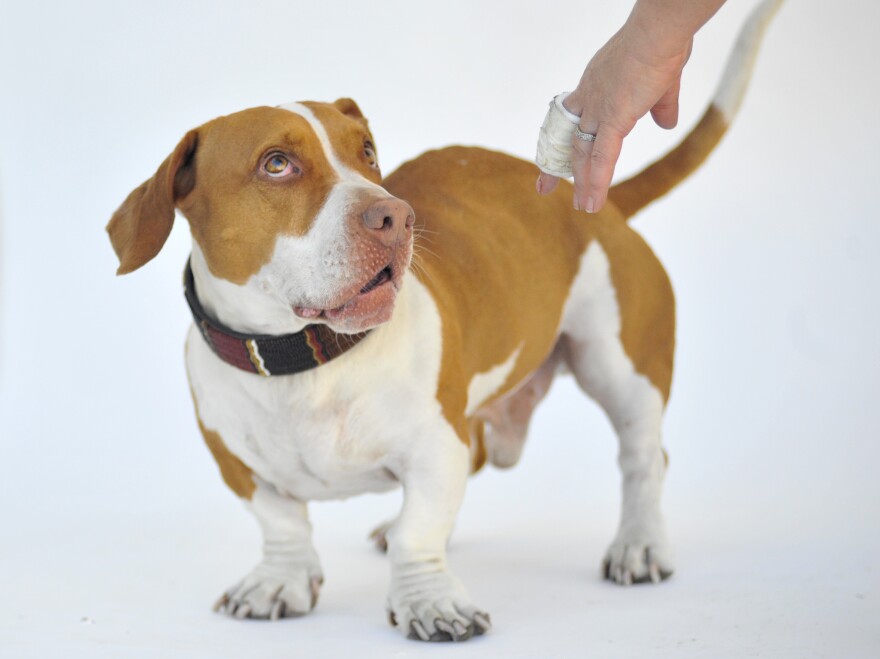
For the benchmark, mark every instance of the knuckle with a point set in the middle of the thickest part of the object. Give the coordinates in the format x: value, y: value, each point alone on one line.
x: 599, y: 158
x: 581, y: 150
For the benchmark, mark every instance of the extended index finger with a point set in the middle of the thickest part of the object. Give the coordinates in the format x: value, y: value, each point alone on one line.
x: 603, y: 159
x: 581, y: 164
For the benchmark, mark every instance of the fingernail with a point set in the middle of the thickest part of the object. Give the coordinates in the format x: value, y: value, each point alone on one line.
x: 576, y: 205
x: 589, y: 207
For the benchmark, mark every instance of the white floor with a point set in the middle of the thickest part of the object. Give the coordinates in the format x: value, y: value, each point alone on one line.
x: 791, y: 575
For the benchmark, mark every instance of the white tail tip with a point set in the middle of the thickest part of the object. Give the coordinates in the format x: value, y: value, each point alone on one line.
x: 739, y: 67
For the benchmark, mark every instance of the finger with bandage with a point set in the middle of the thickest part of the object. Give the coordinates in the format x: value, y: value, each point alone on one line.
x: 637, y: 71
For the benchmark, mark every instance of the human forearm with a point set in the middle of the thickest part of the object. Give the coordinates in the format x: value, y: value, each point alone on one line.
x: 663, y: 27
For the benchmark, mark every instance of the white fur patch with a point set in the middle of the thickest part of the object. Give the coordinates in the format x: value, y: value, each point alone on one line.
x: 592, y: 321
x: 483, y: 385
x: 635, y: 407
x: 253, y: 307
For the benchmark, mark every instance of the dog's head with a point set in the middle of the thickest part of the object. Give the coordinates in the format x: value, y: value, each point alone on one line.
x: 282, y: 202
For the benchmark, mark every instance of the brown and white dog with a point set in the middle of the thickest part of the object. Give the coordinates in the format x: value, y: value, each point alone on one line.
x: 296, y: 235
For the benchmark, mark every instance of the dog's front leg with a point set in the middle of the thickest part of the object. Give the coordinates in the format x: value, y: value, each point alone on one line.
x: 285, y: 583
x: 427, y: 602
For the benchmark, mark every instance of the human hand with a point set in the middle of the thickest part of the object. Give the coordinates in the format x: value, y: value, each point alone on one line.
x: 628, y: 77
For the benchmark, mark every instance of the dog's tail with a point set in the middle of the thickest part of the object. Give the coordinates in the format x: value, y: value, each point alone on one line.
x: 633, y: 194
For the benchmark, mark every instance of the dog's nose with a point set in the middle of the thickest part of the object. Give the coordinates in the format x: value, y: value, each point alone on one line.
x: 389, y: 219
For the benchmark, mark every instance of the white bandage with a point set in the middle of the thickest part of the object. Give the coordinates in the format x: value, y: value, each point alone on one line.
x: 554, y: 140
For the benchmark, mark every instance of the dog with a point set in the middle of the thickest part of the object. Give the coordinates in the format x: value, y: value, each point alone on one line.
x: 326, y: 360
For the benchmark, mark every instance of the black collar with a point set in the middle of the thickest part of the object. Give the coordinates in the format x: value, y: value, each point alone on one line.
x: 266, y: 354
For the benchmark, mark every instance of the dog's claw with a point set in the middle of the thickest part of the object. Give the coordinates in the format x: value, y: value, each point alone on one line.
x: 417, y: 629
x: 220, y: 603
x: 459, y: 631
x: 438, y: 611
x: 379, y: 536
x: 444, y: 626
x: 263, y: 596
x: 449, y: 628
x: 628, y: 564
x: 315, y: 584
x: 445, y: 631
x: 482, y: 623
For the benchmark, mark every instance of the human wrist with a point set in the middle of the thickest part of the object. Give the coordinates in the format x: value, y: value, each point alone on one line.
x: 652, y: 42
x: 660, y: 30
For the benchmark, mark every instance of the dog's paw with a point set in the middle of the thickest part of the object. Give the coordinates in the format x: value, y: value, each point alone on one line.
x: 436, y: 608
x: 270, y: 593
x: 637, y: 559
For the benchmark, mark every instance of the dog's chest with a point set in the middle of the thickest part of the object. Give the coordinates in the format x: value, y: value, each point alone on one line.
x: 336, y: 431
x: 295, y: 432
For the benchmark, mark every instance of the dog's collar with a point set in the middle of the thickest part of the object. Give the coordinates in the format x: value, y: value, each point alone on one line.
x: 266, y: 354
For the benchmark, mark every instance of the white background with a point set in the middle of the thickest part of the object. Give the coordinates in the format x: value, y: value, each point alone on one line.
x: 117, y: 533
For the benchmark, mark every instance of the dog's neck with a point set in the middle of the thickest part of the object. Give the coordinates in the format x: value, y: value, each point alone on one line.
x: 283, y: 353
x: 241, y: 308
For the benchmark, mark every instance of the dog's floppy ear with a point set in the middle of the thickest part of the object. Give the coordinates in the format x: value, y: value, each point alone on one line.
x: 350, y: 109
x: 140, y: 227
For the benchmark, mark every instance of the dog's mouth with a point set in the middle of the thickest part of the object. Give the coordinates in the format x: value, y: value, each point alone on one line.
x: 383, y: 277
x: 363, y: 298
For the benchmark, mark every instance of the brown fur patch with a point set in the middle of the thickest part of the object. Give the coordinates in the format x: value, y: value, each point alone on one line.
x: 236, y: 214
x: 235, y: 473
x: 485, y: 231
x: 141, y: 225
x: 478, y: 444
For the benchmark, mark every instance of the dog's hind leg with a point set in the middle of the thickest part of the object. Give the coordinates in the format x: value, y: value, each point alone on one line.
x: 507, y: 419
x: 618, y: 337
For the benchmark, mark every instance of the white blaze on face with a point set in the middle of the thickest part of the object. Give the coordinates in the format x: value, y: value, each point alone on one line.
x: 310, y: 270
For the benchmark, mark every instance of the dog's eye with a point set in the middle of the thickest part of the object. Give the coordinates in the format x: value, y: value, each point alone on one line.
x: 370, y: 153
x: 277, y: 165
